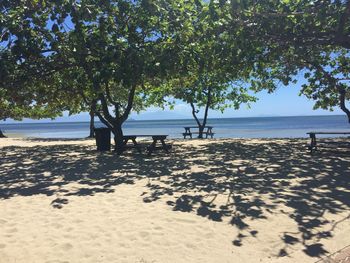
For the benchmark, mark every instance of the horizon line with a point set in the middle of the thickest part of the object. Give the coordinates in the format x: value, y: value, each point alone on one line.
x: 132, y: 119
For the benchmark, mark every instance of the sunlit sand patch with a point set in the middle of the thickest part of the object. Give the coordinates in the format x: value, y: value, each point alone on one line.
x: 27, y: 161
x: 7, y: 165
x: 197, y: 158
x: 198, y: 168
x: 237, y: 162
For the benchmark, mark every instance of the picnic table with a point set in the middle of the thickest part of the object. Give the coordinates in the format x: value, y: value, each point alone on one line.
x: 313, y: 144
x: 208, y: 132
x: 152, y: 147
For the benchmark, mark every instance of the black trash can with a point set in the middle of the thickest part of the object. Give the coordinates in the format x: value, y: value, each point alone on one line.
x: 103, y: 139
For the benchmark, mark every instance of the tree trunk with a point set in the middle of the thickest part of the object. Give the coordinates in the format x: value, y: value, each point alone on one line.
x: 92, y: 119
x: 200, y: 126
x: 200, y: 130
x: 117, y: 131
x: 92, y: 125
x: 204, y: 122
x: 342, y: 99
x: 1, y: 134
x: 114, y: 123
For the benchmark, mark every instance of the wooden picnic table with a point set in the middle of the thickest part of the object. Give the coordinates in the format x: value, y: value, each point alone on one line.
x: 152, y: 147
x: 313, y: 143
x: 188, y: 132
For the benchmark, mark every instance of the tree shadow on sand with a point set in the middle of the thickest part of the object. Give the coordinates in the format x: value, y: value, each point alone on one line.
x: 254, y: 180
x: 48, y: 170
x: 225, y: 181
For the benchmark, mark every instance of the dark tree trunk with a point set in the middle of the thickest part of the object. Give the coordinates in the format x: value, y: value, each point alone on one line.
x: 114, y: 123
x: 201, y: 126
x: 1, y: 134
x: 343, y: 107
x: 92, y: 125
x: 117, y: 131
x: 92, y: 119
x: 205, y: 113
x: 200, y: 130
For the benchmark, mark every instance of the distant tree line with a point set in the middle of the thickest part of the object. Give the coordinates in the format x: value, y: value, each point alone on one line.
x: 112, y: 57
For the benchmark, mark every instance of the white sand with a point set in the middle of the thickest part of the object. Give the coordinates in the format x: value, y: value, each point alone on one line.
x: 207, y: 201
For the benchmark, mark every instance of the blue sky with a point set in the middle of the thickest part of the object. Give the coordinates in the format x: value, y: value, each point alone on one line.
x: 285, y: 101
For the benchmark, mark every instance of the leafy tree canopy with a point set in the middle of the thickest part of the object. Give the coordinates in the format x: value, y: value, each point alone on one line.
x: 296, y: 36
x: 210, y: 75
x: 24, y: 44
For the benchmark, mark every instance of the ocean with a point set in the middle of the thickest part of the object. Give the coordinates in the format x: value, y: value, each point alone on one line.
x: 259, y: 127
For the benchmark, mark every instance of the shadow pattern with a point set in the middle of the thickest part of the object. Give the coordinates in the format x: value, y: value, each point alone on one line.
x: 224, y: 181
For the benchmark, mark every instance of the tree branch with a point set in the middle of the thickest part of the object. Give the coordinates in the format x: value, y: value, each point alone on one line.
x: 105, y: 109
x: 207, y: 107
x: 109, y: 97
x: 194, y: 114
x: 342, y: 98
x: 103, y: 120
x: 130, y: 104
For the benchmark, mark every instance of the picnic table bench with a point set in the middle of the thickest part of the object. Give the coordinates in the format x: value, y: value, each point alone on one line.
x: 152, y: 147
x: 313, y: 144
x: 208, y: 132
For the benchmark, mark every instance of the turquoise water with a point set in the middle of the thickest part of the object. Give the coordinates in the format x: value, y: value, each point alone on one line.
x: 260, y: 127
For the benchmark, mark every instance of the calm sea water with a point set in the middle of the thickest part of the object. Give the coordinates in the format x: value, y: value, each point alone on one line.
x: 262, y: 127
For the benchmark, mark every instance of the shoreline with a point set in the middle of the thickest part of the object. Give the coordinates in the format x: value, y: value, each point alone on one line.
x: 24, y: 137
x: 285, y: 127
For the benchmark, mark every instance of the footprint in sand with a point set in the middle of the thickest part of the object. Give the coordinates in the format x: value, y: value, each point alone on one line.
x: 3, y: 221
x: 66, y: 246
x: 12, y: 230
x: 190, y: 245
x: 124, y: 245
x: 12, y: 241
x: 108, y: 234
x: 144, y: 234
x: 207, y: 235
x: 56, y: 225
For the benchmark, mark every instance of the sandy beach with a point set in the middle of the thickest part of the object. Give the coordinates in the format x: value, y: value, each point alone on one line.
x: 227, y: 200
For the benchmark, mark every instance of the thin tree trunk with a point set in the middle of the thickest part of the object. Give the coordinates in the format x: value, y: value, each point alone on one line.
x: 206, y: 112
x: 200, y: 126
x: 343, y: 107
x: 92, y: 119
x: 92, y: 125
x: 200, y: 129
x: 1, y: 134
